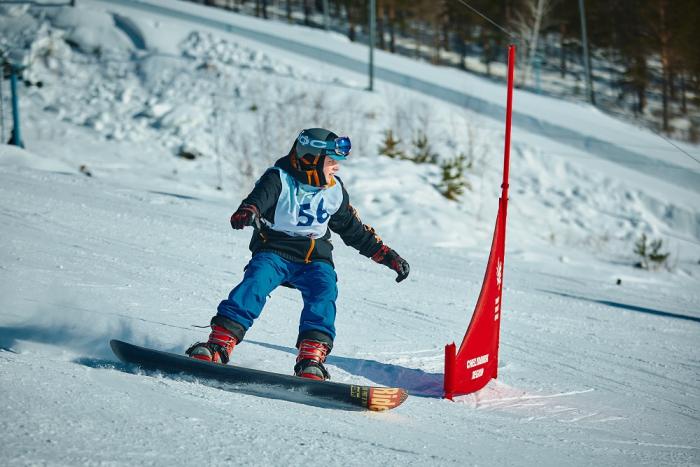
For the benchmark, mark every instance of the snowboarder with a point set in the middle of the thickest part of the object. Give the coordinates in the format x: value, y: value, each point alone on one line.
x: 291, y: 208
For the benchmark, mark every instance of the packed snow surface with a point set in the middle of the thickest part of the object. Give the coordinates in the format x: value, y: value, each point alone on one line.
x: 151, y: 124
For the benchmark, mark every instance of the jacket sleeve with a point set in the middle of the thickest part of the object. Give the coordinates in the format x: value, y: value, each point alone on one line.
x: 266, y: 191
x: 346, y: 223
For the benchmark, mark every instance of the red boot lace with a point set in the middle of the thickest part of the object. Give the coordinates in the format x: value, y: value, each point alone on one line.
x: 310, y: 360
x: 312, y: 350
x: 222, y: 337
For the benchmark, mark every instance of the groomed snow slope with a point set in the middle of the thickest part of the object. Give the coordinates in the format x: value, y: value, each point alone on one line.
x: 591, y: 372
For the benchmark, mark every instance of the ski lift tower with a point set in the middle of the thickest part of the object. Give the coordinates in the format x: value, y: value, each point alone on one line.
x: 11, y: 67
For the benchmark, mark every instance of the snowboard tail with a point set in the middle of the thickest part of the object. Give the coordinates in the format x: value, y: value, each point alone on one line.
x: 366, y: 397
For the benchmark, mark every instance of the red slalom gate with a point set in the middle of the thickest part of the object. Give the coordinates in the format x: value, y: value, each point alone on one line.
x: 476, y: 362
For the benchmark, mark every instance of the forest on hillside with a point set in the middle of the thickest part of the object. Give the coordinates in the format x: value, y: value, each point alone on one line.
x: 644, y: 63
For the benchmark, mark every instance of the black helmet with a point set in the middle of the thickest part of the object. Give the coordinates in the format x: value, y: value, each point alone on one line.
x: 322, y: 142
x: 309, y: 152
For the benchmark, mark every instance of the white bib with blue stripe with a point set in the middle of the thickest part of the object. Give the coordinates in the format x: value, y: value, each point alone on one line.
x: 303, y: 210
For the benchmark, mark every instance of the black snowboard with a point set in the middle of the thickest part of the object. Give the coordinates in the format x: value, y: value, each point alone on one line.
x: 365, y: 397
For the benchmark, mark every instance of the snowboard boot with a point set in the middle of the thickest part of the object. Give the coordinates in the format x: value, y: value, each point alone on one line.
x: 217, y: 349
x: 310, y: 360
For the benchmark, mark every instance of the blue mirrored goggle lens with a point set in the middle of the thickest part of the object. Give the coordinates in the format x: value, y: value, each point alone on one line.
x: 341, y: 146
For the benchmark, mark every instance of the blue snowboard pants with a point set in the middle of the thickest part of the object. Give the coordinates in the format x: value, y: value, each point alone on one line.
x: 265, y: 272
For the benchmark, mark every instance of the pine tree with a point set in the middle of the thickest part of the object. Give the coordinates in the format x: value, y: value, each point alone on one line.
x: 453, y: 182
x: 650, y: 254
x: 423, y: 152
x: 390, y: 146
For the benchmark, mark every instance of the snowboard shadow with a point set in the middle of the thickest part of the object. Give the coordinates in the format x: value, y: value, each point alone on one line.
x: 417, y: 382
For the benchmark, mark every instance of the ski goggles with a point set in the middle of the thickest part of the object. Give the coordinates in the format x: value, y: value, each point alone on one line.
x: 338, y: 149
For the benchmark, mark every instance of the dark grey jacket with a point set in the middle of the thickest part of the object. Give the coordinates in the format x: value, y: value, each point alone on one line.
x: 345, y: 222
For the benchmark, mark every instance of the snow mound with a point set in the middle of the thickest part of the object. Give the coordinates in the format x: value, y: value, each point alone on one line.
x: 16, y: 157
x: 91, y: 31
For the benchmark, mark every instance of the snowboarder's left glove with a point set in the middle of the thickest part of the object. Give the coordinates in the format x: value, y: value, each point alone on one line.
x: 390, y: 258
x: 244, y: 216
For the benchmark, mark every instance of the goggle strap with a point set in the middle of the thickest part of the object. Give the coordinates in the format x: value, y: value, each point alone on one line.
x: 341, y: 146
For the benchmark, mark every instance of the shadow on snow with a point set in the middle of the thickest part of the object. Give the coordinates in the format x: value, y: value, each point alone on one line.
x: 416, y: 382
x: 625, y: 306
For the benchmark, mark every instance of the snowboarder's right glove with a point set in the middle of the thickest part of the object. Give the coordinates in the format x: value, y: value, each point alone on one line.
x: 390, y: 258
x: 244, y: 216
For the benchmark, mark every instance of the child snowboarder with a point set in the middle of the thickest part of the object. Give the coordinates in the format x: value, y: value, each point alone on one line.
x: 293, y: 208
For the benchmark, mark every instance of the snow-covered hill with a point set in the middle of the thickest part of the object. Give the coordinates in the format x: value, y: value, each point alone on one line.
x: 598, y: 359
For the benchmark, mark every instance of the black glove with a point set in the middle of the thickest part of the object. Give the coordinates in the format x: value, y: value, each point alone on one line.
x: 390, y: 258
x: 244, y: 216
